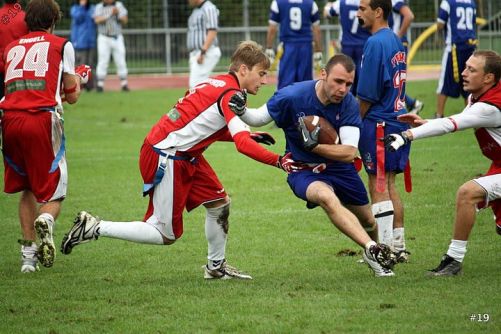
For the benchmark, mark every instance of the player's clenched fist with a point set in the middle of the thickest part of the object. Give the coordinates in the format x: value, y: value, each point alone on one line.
x: 84, y: 72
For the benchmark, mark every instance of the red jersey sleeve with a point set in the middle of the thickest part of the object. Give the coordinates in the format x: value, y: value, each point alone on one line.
x: 240, y: 133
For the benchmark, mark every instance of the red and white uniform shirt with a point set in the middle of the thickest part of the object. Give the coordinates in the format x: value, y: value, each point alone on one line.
x: 34, y: 65
x: 32, y: 132
x: 484, y: 115
x: 175, y: 173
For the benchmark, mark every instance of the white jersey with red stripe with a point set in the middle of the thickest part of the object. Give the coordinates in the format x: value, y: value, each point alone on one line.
x: 202, y: 117
x: 482, y: 114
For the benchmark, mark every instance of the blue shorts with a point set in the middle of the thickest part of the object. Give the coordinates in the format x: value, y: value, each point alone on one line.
x: 345, y: 181
x: 449, y: 85
x: 296, y: 64
x: 393, y: 161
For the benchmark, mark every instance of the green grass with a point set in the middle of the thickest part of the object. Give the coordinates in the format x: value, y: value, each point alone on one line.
x: 300, y: 285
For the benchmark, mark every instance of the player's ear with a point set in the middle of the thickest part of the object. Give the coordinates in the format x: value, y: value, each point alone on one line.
x: 489, y: 78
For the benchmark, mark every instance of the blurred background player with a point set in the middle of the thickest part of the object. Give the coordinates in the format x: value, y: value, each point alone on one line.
x: 177, y: 176
x: 299, y: 26
x: 458, y: 20
x: 352, y: 36
x: 331, y: 182
x: 32, y: 130
x: 483, y: 113
x: 12, y: 26
x: 400, y: 22
x: 202, y: 40
x: 381, y: 92
x: 83, y: 36
x: 109, y: 16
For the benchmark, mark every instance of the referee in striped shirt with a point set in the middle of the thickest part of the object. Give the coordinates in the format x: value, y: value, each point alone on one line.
x: 202, y: 40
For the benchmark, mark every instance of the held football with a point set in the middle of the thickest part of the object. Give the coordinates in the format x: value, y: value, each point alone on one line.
x: 327, y: 135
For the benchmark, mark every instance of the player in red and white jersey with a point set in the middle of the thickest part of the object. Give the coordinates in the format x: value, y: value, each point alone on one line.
x: 177, y: 176
x: 36, y: 67
x: 483, y: 113
x: 12, y: 26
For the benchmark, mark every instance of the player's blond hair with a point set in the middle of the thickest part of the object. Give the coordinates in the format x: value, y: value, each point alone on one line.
x: 249, y: 53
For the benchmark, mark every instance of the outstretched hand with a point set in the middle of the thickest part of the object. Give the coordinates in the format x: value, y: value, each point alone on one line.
x: 263, y: 137
x: 411, y: 119
x: 394, y: 141
x: 238, y: 102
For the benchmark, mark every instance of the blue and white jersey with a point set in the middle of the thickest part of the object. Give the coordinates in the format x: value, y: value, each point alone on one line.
x: 351, y: 34
x: 383, y: 75
x: 459, y: 17
x: 395, y: 19
x: 300, y: 99
x: 295, y: 18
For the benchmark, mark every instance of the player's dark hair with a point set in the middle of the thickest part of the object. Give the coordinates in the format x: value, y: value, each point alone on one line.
x: 249, y: 53
x: 10, y: 1
x: 385, y: 5
x: 342, y: 59
x: 492, y: 62
x: 42, y: 14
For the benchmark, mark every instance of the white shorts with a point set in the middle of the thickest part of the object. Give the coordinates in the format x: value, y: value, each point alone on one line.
x: 492, y: 185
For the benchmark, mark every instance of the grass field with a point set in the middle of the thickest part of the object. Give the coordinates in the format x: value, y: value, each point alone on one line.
x: 300, y: 284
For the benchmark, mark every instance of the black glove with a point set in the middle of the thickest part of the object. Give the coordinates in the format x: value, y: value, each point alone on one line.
x: 238, y: 103
x: 262, y: 137
x: 309, y: 139
x: 394, y: 141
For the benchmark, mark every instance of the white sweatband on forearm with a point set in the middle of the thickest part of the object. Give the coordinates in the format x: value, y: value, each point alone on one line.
x: 349, y: 135
x: 479, y: 115
x: 257, y: 117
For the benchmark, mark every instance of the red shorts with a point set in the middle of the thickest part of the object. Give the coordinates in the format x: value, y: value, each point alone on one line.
x: 185, y: 184
x: 33, y: 150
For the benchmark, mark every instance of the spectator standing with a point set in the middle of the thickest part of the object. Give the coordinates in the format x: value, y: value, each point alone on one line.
x: 12, y: 26
x: 83, y: 36
x: 457, y: 18
x: 109, y: 16
x: 299, y: 26
x: 202, y: 40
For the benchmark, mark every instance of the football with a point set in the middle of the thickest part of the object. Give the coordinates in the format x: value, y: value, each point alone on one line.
x: 327, y: 135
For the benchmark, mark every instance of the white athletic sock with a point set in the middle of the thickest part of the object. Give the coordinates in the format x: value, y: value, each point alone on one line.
x: 457, y: 249
x: 215, y: 234
x: 139, y: 232
x: 383, y: 213
x: 398, y: 239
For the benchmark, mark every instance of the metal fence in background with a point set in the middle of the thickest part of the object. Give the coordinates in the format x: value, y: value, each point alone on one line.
x: 155, y: 37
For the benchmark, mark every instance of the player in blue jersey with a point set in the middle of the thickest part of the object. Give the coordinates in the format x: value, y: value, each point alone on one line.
x: 400, y: 21
x: 352, y: 36
x: 299, y: 25
x: 381, y: 92
x: 331, y: 181
x: 458, y: 20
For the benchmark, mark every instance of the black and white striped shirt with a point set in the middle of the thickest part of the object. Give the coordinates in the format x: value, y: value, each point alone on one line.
x: 112, y: 26
x: 203, y: 18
